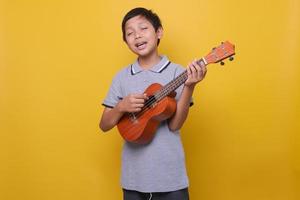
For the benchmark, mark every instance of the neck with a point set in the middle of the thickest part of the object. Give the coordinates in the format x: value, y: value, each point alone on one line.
x: 148, y: 61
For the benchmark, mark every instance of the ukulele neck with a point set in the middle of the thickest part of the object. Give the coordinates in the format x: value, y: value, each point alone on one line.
x: 175, y: 83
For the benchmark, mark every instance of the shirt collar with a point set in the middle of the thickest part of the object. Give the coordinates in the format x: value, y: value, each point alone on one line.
x: 158, y: 68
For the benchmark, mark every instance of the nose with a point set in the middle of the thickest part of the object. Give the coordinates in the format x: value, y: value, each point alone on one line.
x: 137, y: 35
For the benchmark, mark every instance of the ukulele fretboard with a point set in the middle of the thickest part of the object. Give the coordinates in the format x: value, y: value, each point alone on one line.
x: 174, y: 84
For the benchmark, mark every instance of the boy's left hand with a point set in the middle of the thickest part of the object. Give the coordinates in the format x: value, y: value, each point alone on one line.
x: 195, y: 74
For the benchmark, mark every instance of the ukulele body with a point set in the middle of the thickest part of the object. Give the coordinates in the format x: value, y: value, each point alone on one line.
x: 141, y: 128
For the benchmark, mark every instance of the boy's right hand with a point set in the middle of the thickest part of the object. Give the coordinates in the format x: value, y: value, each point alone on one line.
x: 132, y: 103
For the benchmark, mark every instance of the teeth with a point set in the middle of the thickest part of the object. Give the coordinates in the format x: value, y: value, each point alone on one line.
x: 140, y: 44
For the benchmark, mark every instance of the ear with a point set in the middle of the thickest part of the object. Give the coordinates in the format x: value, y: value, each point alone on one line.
x: 159, y: 32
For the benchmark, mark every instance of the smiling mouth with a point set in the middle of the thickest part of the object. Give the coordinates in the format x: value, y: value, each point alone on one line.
x: 140, y: 45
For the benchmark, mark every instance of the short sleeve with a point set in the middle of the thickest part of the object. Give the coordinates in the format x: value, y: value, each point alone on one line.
x: 178, y: 71
x: 114, y: 94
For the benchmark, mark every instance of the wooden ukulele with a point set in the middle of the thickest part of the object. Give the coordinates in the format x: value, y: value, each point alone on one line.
x: 140, y: 127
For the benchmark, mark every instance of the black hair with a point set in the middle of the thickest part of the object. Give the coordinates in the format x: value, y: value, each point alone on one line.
x: 148, y: 14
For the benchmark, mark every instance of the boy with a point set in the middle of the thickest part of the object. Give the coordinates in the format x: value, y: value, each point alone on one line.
x: 155, y: 170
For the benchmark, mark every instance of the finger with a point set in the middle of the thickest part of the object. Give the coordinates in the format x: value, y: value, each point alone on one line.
x: 138, y: 101
x: 198, y: 70
x: 194, y: 72
x: 199, y: 74
x: 204, y: 70
x: 139, y: 105
x: 196, y: 65
x: 140, y: 96
x: 189, y: 70
x: 145, y: 96
x: 136, y: 110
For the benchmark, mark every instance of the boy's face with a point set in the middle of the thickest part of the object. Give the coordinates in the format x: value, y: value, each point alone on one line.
x: 141, y: 36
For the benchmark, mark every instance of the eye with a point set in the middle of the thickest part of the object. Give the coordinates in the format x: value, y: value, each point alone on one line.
x: 129, y: 33
x: 144, y: 28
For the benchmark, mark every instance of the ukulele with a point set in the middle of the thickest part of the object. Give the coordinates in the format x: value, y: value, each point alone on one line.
x: 140, y: 127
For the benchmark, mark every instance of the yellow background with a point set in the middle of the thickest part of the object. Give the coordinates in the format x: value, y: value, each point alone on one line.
x: 57, y: 61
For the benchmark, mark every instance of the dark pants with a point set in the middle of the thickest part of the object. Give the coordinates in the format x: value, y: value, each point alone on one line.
x: 174, y: 195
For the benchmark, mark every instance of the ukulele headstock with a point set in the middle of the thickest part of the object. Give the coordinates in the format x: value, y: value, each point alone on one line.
x: 220, y: 53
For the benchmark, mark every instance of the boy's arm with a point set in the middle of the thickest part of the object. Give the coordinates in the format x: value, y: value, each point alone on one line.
x: 195, y: 74
x: 111, y: 116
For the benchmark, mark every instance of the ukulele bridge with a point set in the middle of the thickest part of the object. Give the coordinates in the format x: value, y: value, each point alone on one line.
x: 133, y: 118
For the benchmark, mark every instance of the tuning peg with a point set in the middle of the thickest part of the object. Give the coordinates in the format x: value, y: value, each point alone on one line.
x: 231, y: 58
x: 222, y: 63
x: 214, y: 48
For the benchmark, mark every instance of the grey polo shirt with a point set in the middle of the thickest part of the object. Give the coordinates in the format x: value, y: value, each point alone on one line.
x: 160, y: 165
